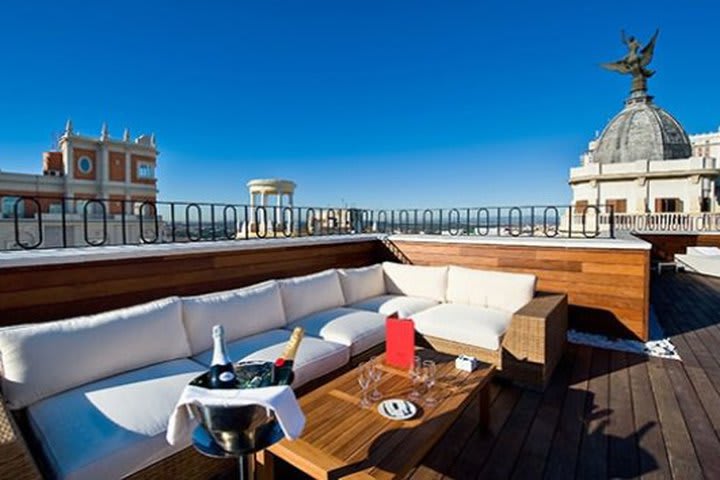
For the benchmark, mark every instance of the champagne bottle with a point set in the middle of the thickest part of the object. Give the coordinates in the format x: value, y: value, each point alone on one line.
x: 222, y: 372
x: 283, y: 368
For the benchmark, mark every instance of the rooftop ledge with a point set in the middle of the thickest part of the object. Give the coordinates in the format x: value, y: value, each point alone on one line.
x: 27, y: 258
x: 626, y: 242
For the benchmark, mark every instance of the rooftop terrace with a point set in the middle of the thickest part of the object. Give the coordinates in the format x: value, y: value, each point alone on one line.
x: 604, y: 414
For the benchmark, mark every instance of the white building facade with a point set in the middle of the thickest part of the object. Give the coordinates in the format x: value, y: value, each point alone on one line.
x: 649, y: 173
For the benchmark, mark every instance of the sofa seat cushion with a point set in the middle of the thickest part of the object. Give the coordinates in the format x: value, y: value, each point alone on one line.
x: 115, y: 426
x: 315, y: 357
x: 469, y: 324
x: 241, y: 312
x: 388, y: 304
x: 358, y: 329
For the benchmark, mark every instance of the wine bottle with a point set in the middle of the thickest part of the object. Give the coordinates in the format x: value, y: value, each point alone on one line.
x: 222, y: 372
x: 283, y: 368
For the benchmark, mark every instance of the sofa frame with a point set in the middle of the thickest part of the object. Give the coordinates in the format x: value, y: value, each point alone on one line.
x: 532, y: 345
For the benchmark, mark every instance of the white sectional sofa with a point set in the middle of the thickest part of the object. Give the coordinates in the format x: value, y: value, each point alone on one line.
x: 96, y: 392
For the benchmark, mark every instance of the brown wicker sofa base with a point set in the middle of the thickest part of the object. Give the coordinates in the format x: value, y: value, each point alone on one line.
x: 532, y: 346
x: 530, y: 351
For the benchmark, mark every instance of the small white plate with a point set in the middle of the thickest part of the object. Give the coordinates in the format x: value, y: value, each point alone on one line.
x: 397, y: 409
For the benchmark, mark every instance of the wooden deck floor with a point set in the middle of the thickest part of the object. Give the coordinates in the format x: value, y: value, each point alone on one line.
x: 606, y: 414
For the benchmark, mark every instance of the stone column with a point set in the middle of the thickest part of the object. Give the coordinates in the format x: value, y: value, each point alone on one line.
x: 250, y: 220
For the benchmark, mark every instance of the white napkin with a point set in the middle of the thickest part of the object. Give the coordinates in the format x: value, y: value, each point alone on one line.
x: 280, y: 399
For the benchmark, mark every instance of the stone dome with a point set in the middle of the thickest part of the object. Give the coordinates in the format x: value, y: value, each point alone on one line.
x: 642, y: 131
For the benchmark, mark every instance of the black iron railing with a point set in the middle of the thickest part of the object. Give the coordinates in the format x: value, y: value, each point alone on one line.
x: 50, y: 222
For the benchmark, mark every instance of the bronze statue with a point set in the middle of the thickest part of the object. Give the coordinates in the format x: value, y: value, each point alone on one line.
x: 635, y: 62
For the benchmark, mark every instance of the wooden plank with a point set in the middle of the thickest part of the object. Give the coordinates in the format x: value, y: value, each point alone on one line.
x: 506, y: 450
x: 634, y: 270
x: 589, y: 255
x: 563, y: 455
x: 536, y: 448
x: 623, y: 461
x: 558, y: 265
x: 477, y: 449
x: 681, y: 454
x: 446, y: 451
x: 594, y: 444
x: 704, y: 439
x: 650, y: 444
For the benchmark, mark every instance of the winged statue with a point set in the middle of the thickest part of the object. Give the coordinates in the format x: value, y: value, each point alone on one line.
x: 636, y: 61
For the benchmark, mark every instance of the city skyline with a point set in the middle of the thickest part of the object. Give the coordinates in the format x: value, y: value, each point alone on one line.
x: 477, y: 105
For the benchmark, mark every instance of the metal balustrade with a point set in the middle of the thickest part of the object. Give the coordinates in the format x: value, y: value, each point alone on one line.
x: 51, y: 222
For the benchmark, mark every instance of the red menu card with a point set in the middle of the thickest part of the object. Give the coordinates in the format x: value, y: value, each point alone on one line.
x: 399, y: 341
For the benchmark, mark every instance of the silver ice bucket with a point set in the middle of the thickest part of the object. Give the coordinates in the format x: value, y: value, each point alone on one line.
x: 239, y: 430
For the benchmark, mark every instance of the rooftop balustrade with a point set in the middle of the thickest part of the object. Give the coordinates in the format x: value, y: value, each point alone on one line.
x: 33, y: 222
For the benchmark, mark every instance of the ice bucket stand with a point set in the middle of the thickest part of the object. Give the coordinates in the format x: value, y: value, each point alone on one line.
x: 235, y: 432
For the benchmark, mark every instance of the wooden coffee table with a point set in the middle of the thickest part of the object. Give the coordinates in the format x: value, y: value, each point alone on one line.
x: 341, y: 440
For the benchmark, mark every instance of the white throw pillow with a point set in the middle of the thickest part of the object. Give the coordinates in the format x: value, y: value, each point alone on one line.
x: 242, y: 312
x: 415, y: 280
x: 311, y: 293
x: 362, y: 283
x: 44, y: 359
x: 486, y: 288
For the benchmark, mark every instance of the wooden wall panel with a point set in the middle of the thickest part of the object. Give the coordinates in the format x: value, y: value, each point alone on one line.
x: 38, y: 294
x: 664, y: 246
x: 608, y: 289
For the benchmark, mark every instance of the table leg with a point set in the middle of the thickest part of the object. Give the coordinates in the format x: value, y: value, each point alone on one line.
x: 484, y: 406
x: 264, y: 465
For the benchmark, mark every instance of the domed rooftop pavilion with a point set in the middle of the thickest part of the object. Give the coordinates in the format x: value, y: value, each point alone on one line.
x: 642, y: 131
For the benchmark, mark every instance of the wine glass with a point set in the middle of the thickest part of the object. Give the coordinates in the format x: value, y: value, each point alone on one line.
x: 415, y: 374
x: 364, y: 379
x: 375, y: 375
x: 429, y: 374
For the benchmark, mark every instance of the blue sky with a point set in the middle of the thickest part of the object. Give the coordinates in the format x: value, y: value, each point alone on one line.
x: 370, y: 103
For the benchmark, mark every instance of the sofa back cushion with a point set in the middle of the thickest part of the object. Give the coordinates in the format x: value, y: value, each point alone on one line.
x: 311, y: 293
x: 242, y: 312
x: 362, y: 283
x: 499, y: 290
x: 38, y: 361
x: 415, y: 280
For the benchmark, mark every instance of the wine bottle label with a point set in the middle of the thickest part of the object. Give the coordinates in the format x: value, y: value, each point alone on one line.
x: 227, y: 376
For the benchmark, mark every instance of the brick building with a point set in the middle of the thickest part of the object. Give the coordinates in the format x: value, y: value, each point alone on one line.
x: 94, y: 178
